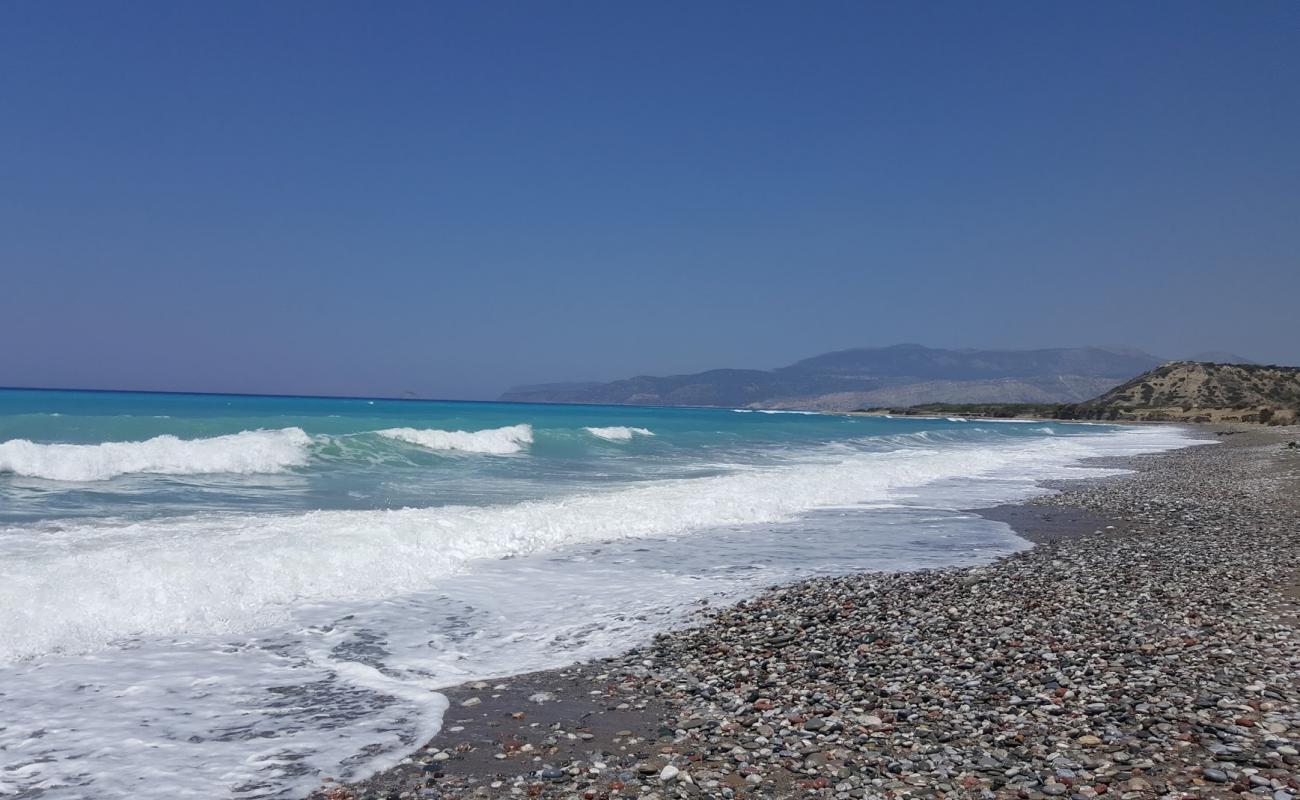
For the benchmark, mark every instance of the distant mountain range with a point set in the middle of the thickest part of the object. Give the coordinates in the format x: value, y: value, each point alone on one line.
x: 905, y: 374
x: 1218, y: 357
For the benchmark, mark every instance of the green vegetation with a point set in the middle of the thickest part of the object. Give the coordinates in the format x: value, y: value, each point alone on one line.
x: 1184, y: 391
x: 992, y: 410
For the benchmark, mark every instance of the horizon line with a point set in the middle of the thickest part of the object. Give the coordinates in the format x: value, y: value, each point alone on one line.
x: 348, y: 397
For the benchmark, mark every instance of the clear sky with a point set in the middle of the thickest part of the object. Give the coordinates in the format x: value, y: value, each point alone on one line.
x: 451, y: 198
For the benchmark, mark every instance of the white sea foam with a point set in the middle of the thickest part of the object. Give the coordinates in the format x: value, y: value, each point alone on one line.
x: 352, y: 620
x: 775, y: 411
x: 218, y: 573
x: 494, y: 441
x: 618, y: 433
x: 246, y: 453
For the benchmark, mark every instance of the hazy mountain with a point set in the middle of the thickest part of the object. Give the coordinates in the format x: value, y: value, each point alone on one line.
x: 1220, y: 357
x: 903, y: 374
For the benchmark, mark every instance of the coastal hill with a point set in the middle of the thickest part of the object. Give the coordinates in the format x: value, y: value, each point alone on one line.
x: 904, y: 375
x: 1180, y: 391
x: 1191, y: 390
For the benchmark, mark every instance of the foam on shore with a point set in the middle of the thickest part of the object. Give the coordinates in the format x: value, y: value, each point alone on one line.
x: 197, y: 656
x: 220, y: 572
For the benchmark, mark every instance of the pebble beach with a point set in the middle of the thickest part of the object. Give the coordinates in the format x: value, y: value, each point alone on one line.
x: 1146, y: 647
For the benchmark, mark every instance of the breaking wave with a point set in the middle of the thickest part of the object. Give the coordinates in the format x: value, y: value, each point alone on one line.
x: 494, y: 441
x: 220, y: 573
x: 618, y: 433
x: 246, y: 453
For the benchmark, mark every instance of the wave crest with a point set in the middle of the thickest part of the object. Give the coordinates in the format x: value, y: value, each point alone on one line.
x: 493, y: 441
x: 245, y: 453
x: 618, y: 433
x: 215, y: 573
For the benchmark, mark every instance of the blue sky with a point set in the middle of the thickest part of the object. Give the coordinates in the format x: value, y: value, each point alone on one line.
x: 451, y: 198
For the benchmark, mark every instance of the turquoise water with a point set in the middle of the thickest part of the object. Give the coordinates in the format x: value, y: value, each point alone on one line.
x: 349, y: 466
x: 175, y: 566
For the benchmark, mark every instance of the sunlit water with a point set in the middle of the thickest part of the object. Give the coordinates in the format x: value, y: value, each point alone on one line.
x: 219, y: 596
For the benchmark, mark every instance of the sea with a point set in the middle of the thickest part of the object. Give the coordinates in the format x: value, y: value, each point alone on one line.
x: 219, y: 596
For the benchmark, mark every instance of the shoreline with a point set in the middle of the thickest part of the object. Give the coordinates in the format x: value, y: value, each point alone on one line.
x: 826, y: 688
x: 970, y: 417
